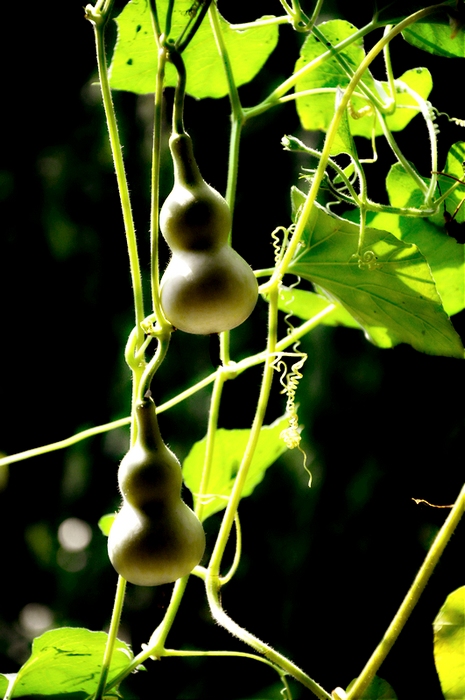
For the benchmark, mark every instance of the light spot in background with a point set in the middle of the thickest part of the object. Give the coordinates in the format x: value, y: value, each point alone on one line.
x: 35, y: 619
x: 74, y: 534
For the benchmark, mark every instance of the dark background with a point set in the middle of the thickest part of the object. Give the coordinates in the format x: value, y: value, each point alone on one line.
x: 324, y: 569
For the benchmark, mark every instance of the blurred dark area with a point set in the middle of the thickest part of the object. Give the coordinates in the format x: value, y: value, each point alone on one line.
x: 323, y: 569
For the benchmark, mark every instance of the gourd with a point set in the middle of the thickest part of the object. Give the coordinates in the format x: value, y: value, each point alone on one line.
x: 207, y: 286
x: 155, y: 538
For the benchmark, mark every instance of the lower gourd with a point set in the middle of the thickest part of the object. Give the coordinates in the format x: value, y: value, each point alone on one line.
x: 155, y: 538
x: 153, y: 548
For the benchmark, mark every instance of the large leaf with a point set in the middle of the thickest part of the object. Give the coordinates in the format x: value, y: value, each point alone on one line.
x: 445, y: 256
x: 67, y: 662
x: 390, y: 291
x: 227, y: 456
x: 134, y: 63
x: 449, y: 645
x: 441, y: 34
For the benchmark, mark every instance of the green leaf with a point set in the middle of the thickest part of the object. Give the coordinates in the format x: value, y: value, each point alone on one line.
x: 445, y: 256
x: 316, y: 110
x: 307, y: 305
x: 449, y: 645
x: 227, y: 456
x: 418, y: 79
x: 134, y: 63
x: 438, y: 34
x: 390, y: 291
x: 379, y: 689
x: 67, y: 662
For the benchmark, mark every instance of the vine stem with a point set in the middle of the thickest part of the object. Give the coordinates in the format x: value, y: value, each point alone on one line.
x: 331, y: 135
x: 410, y: 600
x: 98, y: 21
x: 234, y: 368
x: 212, y: 579
x: 113, y: 631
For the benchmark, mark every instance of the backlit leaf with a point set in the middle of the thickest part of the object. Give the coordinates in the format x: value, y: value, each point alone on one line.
x: 449, y: 645
x: 227, y: 456
x: 134, y: 63
x: 389, y: 291
x: 66, y: 662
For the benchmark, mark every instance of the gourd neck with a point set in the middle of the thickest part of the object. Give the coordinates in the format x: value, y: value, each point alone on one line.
x: 148, y: 432
x: 186, y: 171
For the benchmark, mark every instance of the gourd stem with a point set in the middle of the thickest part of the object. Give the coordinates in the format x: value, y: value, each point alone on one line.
x: 113, y: 631
x: 178, y: 107
x: 155, y: 195
x: 410, y: 600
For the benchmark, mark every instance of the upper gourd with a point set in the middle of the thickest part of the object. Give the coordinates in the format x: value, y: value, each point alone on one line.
x: 207, y: 286
x: 155, y: 538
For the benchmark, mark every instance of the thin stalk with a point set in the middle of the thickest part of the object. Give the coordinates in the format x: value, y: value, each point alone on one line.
x: 155, y: 185
x: 123, y: 189
x: 210, y: 444
x: 231, y: 509
x: 410, y: 600
x: 390, y: 73
x: 237, y: 120
x: 237, y: 554
x: 113, y: 631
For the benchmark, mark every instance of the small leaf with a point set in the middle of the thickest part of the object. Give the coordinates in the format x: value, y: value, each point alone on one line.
x: 379, y: 689
x: 389, y: 291
x: 227, y: 456
x: 134, y: 64
x: 418, y: 79
x: 316, y: 110
x: 105, y: 523
x: 67, y: 662
x: 449, y: 645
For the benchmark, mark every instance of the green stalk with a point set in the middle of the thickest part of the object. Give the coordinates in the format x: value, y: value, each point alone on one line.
x: 268, y: 652
x: 113, y: 631
x: 155, y: 193
x: 410, y: 600
x: 210, y: 444
x: 99, y: 23
x: 231, y: 509
x: 237, y: 120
